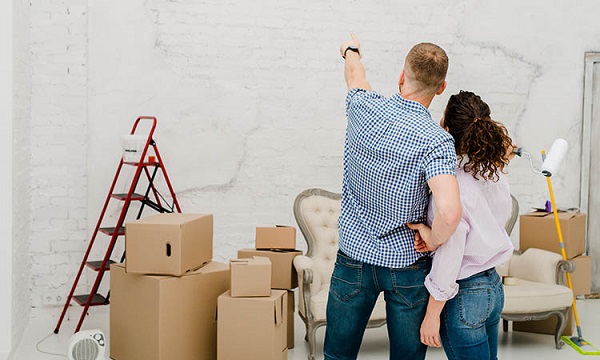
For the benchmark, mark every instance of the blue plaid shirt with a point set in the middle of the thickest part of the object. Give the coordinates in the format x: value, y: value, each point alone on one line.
x: 392, y: 148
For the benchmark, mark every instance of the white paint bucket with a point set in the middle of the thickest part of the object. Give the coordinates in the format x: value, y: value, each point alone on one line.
x: 133, y: 146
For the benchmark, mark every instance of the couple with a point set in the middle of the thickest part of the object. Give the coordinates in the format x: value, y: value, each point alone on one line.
x: 394, y: 155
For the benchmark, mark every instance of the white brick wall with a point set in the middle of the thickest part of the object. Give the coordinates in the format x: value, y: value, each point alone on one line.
x: 58, y: 159
x: 21, y: 168
x: 250, y: 101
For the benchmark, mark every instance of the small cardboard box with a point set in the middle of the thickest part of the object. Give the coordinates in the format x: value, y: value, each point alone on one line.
x: 252, y: 328
x: 250, y: 277
x: 547, y: 326
x: 276, y: 237
x: 581, y: 278
x: 168, y: 244
x: 283, y: 272
x: 290, y: 318
x: 538, y: 230
x: 156, y: 317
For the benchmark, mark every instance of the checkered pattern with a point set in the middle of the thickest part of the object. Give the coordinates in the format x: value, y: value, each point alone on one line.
x: 392, y: 148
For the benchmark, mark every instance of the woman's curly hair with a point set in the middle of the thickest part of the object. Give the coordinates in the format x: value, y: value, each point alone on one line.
x: 480, y: 142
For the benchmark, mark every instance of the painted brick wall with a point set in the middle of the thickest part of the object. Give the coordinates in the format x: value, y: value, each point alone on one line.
x: 58, y: 157
x: 21, y: 168
x: 250, y: 101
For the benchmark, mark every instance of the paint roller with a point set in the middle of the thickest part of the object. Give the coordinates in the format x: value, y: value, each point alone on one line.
x: 551, y: 161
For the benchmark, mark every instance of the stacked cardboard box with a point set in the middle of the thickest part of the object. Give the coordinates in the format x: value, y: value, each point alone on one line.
x: 538, y: 230
x: 164, y: 298
x: 278, y: 243
x: 252, y: 318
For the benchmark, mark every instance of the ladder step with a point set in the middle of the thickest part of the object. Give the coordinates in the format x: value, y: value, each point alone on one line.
x: 111, y: 230
x: 97, y: 264
x: 97, y: 300
x: 123, y: 196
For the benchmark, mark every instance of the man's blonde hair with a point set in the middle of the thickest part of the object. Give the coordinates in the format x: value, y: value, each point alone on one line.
x: 426, y: 66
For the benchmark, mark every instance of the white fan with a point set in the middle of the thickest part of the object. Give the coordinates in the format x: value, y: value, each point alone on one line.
x: 87, y: 345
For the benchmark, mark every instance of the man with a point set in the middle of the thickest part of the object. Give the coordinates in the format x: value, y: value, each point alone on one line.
x: 394, y: 154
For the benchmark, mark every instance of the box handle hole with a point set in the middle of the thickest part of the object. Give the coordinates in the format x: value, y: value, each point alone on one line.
x: 168, y: 250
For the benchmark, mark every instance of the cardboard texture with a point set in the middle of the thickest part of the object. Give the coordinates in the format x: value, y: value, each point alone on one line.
x: 250, y: 277
x: 276, y: 237
x: 168, y: 244
x: 283, y: 272
x: 547, y: 326
x: 581, y: 278
x: 252, y: 328
x: 538, y: 230
x: 164, y: 317
x: 290, y: 318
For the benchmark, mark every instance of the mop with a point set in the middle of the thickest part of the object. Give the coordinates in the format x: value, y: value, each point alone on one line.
x: 549, y: 166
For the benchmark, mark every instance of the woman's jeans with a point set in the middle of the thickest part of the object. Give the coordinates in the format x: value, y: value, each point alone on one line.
x: 469, y: 321
x: 353, y: 292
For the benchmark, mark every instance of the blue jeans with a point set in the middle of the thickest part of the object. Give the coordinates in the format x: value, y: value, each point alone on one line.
x: 469, y: 321
x: 353, y: 292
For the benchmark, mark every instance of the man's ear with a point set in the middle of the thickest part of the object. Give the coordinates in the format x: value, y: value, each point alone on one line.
x: 442, y: 88
x: 401, y: 80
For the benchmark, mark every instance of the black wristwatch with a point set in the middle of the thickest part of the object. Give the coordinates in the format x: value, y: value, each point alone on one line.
x: 351, y: 48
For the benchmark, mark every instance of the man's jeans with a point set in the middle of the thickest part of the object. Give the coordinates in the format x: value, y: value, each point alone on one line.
x: 469, y: 321
x: 353, y: 292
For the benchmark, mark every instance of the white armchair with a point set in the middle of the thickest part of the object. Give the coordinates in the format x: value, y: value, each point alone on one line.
x: 538, y: 292
x: 317, y: 212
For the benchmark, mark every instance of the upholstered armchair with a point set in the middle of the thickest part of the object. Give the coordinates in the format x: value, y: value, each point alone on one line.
x: 317, y: 212
x: 536, y: 291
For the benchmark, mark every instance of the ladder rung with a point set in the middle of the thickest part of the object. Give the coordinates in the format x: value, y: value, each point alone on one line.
x: 145, y: 163
x: 97, y: 264
x: 97, y: 300
x: 123, y: 196
x: 111, y: 230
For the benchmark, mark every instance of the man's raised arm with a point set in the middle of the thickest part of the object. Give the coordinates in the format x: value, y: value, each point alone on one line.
x: 354, y: 71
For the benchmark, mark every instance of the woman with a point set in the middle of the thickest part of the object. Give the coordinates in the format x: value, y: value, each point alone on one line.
x: 463, y: 281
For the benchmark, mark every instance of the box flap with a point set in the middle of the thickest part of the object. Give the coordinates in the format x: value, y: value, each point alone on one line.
x: 279, y: 310
x: 561, y: 215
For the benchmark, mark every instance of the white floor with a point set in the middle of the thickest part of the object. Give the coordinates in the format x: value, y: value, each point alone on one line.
x: 513, y: 345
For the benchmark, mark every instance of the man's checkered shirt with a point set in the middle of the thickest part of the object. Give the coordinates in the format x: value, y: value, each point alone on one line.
x: 392, y: 148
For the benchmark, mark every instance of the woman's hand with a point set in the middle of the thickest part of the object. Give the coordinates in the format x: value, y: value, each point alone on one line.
x: 423, y: 241
x: 430, y: 331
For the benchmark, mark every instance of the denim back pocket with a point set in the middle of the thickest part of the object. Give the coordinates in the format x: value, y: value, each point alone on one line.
x: 474, y: 305
x: 346, y: 279
x: 409, y: 283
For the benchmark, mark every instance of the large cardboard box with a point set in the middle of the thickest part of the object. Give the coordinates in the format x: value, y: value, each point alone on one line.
x: 538, y: 230
x: 283, y: 272
x: 165, y: 317
x: 250, y: 277
x: 252, y: 328
x: 547, y: 326
x: 290, y: 318
x: 581, y: 278
x: 168, y: 244
x: 276, y: 237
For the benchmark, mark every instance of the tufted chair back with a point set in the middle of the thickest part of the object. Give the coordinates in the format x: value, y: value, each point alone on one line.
x: 317, y: 212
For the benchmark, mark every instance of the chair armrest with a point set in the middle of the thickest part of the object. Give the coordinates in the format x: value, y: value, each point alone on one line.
x: 536, y: 265
x: 309, y: 281
x: 563, y: 267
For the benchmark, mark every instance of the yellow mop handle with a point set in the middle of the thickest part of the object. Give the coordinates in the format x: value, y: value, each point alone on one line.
x: 564, y: 254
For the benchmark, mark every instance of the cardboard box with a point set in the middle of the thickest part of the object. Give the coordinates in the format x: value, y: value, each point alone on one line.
x: 290, y: 318
x: 581, y: 278
x: 547, y: 326
x: 250, y: 277
x: 164, y: 317
x: 252, y: 328
x: 168, y: 244
x: 283, y: 272
x: 276, y: 237
x: 538, y: 230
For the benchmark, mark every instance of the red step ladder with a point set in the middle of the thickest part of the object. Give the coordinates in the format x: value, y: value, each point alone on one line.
x: 149, y: 165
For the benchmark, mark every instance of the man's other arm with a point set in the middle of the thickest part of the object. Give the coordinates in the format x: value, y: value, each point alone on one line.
x: 448, y: 209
